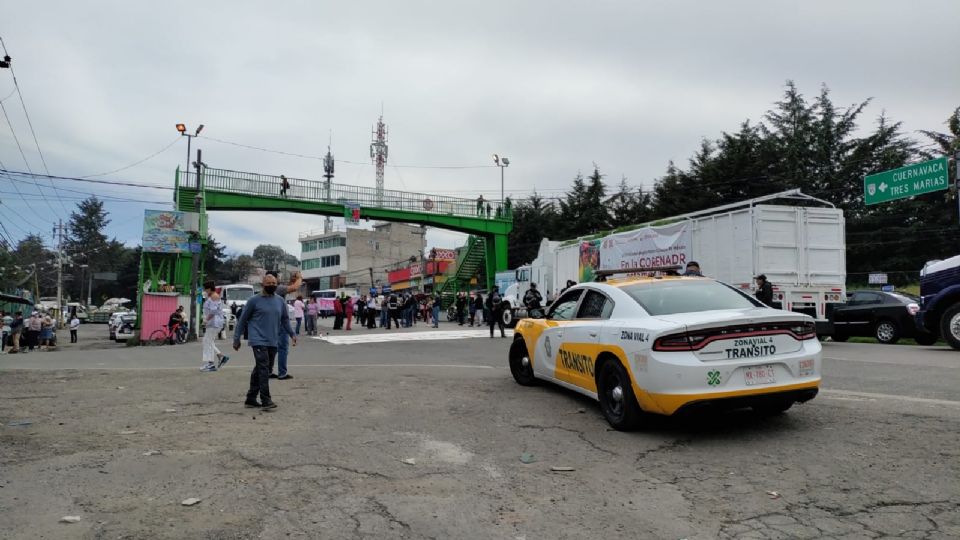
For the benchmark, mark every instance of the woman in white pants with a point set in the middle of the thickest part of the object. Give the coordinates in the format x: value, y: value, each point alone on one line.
x: 214, y: 320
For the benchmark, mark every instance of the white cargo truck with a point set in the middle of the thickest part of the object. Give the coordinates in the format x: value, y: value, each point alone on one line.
x: 800, y: 248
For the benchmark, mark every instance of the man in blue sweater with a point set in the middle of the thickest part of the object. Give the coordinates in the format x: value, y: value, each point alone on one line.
x: 264, y: 317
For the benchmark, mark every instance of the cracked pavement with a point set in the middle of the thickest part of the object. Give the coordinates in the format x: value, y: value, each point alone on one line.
x: 882, y: 461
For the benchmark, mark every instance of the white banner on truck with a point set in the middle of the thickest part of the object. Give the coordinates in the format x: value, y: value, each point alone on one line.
x: 669, y: 245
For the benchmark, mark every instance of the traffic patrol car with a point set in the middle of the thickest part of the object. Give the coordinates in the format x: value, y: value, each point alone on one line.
x: 665, y: 344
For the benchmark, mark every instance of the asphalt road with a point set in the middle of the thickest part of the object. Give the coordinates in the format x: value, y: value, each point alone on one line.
x: 404, y: 435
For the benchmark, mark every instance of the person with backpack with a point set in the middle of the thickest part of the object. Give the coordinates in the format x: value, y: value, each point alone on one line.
x: 495, y: 308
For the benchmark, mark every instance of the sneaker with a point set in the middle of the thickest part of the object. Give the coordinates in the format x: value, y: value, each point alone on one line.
x: 251, y: 404
x: 208, y: 368
x: 285, y: 377
x: 223, y: 360
x: 274, y: 376
x: 268, y: 406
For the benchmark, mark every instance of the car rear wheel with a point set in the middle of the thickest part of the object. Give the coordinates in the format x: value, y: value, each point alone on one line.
x: 887, y: 332
x: 950, y: 326
x: 925, y: 338
x: 772, y: 406
x: 520, y: 364
x: 617, y: 402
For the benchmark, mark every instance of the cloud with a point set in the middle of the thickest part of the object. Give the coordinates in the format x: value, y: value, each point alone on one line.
x: 554, y: 86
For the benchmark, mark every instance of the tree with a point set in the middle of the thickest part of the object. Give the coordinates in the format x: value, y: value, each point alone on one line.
x: 270, y: 257
x: 629, y: 206
x: 35, y: 265
x: 87, y: 244
x: 533, y: 219
x: 238, y: 269
x: 213, y: 259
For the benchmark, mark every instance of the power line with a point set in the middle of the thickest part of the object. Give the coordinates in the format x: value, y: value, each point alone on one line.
x: 351, y: 162
x: 16, y: 86
x: 90, y: 180
x: 23, y: 155
x: 134, y: 164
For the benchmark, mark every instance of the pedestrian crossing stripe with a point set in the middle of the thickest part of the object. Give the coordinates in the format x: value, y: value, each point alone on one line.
x: 438, y: 335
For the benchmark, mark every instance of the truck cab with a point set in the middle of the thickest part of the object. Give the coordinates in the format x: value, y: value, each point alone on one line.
x: 940, y: 300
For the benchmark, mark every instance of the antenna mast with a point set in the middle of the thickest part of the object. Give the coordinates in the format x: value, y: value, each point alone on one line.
x: 328, y: 174
x: 378, y: 154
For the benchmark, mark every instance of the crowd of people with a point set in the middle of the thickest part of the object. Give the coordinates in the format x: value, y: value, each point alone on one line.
x: 36, y: 332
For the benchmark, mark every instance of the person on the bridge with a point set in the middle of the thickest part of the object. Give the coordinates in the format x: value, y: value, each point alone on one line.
x: 764, y: 290
x: 489, y: 209
x: 693, y: 269
x: 533, y: 300
x: 480, y: 206
x: 284, y: 185
x: 495, y: 308
x: 213, y: 320
x: 507, y: 207
x: 265, y: 315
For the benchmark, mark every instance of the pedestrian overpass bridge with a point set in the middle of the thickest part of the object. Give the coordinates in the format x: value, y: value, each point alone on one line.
x: 226, y: 190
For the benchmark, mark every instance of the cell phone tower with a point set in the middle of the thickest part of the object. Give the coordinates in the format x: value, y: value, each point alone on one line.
x: 328, y: 164
x: 378, y: 154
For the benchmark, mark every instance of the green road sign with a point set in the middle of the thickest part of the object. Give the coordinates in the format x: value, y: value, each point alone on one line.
x: 906, y: 181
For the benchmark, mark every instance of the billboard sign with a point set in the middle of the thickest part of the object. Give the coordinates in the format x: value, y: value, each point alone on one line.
x: 164, y: 231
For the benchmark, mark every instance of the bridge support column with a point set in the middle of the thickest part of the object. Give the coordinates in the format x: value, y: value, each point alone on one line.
x: 495, y: 257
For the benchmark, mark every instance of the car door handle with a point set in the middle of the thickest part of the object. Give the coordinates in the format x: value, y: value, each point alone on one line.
x: 559, y: 334
x: 593, y: 334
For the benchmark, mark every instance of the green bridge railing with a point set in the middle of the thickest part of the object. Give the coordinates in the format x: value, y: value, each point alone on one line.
x: 264, y: 185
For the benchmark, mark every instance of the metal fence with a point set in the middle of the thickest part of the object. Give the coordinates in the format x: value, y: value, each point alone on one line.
x: 319, y: 191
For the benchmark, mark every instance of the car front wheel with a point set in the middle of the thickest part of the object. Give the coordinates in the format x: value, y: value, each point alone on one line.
x: 617, y: 402
x: 887, y: 332
x: 521, y: 366
x: 507, y: 317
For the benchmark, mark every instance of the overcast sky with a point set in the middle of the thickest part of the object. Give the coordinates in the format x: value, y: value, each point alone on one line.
x: 555, y: 86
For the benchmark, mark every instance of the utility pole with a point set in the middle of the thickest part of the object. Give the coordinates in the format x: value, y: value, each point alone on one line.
x: 58, y: 234
x: 195, y: 259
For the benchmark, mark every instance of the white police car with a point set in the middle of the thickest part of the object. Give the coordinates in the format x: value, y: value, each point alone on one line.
x: 666, y: 344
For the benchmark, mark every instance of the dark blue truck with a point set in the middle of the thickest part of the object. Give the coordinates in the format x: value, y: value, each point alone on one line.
x: 940, y: 300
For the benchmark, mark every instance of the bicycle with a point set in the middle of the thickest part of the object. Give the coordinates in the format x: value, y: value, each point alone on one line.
x: 163, y: 335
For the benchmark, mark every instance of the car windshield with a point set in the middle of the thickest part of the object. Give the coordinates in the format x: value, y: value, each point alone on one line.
x: 682, y: 296
x: 238, y: 294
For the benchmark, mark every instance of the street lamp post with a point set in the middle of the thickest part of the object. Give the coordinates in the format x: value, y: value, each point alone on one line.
x: 502, y: 162
x: 83, y: 274
x: 182, y: 128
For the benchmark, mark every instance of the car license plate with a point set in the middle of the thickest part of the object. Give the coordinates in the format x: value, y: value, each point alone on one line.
x: 764, y: 374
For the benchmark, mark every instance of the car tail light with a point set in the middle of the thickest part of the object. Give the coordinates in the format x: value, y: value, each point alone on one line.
x: 679, y: 342
x: 913, y: 309
x: 692, y: 341
x: 806, y: 330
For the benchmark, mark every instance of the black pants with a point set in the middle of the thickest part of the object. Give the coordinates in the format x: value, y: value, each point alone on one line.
x: 33, y: 339
x: 73, y: 336
x: 263, y: 358
x: 372, y: 316
x: 496, y: 319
